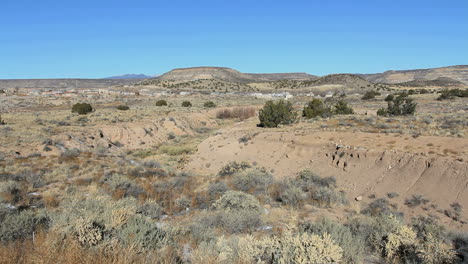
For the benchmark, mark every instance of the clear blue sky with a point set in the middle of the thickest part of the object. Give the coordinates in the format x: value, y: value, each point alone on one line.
x: 93, y: 39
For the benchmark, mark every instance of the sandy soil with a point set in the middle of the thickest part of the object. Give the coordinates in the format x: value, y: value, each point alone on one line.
x: 363, y: 163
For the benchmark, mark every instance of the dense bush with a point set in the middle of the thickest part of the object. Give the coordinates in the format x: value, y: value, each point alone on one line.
x: 234, y: 212
x: 209, y: 104
x: 400, y: 105
x: 389, y: 98
x: 186, y: 104
x: 82, y: 108
x: 20, y: 225
x: 353, y: 245
x: 309, y: 187
x: 235, y: 200
x: 370, y: 95
x: 296, y: 248
x: 252, y: 181
x: 161, y: 103
x: 140, y: 232
x: 277, y: 113
x: 452, y: 93
x: 123, y: 107
x: 342, y: 108
x: 316, y: 108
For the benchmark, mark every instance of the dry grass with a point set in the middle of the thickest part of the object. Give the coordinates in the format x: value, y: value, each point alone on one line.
x: 237, y: 112
x: 49, y: 248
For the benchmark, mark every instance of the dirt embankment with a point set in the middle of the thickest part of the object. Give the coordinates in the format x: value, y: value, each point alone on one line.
x: 363, y: 163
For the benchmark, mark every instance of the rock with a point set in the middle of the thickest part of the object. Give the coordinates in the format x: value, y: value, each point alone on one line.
x: 359, y: 198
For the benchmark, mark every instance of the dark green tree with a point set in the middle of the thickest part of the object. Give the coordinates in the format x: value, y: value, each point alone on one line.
x: 82, y: 108
x: 277, y: 113
x: 316, y: 108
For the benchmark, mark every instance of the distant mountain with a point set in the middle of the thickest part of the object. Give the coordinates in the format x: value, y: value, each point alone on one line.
x: 458, y: 73
x: 64, y: 83
x: 130, y: 76
x: 229, y: 75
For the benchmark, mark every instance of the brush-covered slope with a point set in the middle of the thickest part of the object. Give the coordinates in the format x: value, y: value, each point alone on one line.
x: 439, y: 82
x: 459, y: 73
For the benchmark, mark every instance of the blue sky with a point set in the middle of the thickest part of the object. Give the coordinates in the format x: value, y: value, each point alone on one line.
x: 94, y: 39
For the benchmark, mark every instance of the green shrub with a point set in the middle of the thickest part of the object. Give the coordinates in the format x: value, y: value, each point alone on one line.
x: 138, y: 231
x: 161, y: 103
x: 310, y: 177
x: 234, y: 212
x: 82, y: 108
x: 353, y: 246
x: 452, y: 93
x: 389, y: 98
x: 253, y: 181
x: 151, y: 209
x: 21, y: 225
x: 370, y: 95
x: 235, y: 200
x: 186, y: 104
x: 288, y: 193
x: 233, y: 167
x: 232, y: 221
x: 217, y: 189
x: 377, y: 207
x: 416, y: 200
x: 400, y: 105
x: 381, y: 112
x: 296, y: 248
x: 277, y: 113
x: 209, y: 104
x: 123, y: 107
x: 342, y: 108
x: 316, y: 108
x: 309, y: 187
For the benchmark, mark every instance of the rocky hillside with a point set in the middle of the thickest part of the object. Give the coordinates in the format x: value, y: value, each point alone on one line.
x: 348, y: 80
x: 228, y: 74
x: 458, y: 73
x: 439, y: 82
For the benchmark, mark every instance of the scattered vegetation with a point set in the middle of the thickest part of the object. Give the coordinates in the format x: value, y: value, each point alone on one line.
x: 399, y: 106
x: 370, y: 95
x: 317, y: 108
x: 452, y: 93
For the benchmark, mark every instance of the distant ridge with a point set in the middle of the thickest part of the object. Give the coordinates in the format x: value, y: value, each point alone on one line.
x: 130, y: 76
x: 439, y: 82
x: 456, y: 72
x: 228, y: 74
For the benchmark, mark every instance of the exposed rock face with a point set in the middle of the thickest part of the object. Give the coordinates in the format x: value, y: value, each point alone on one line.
x: 459, y: 73
x: 228, y: 74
